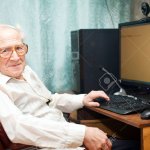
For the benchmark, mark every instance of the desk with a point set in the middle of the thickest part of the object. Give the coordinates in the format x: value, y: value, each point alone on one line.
x: 133, y: 120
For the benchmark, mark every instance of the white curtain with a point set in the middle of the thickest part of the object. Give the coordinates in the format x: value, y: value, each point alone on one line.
x: 47, y: 25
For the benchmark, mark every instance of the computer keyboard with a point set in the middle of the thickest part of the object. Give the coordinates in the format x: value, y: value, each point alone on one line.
x: 124, y: 104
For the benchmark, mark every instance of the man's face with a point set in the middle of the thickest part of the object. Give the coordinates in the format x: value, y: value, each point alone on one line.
x: 12, y: 66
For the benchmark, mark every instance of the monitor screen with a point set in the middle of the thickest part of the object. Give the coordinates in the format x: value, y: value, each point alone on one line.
x: 135, y: 53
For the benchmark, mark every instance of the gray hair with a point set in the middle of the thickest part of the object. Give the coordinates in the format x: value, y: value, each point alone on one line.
x: 6, y: 26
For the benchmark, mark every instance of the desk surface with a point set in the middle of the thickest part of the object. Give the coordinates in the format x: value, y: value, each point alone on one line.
x: 131, y: 119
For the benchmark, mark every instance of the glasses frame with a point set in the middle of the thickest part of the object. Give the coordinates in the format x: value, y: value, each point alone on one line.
x: 14, y: 49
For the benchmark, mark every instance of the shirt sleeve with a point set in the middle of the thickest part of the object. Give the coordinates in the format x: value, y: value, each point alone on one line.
x: 30, y: 130
x: 67, y: 102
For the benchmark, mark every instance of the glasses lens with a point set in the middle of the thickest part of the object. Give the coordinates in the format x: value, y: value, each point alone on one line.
x: 6, y: 52
x: 21, y: 49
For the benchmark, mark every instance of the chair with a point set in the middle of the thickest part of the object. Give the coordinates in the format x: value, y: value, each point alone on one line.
x: 6, y: 144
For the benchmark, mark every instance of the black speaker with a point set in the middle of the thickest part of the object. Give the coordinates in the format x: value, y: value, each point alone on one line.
x: 92, y: 49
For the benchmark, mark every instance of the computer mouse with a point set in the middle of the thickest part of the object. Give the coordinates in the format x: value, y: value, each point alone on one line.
x: 145, y: 114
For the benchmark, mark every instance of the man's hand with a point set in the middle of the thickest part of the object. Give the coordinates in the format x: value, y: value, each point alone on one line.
x: 89, y: 98
x: 96, y: 139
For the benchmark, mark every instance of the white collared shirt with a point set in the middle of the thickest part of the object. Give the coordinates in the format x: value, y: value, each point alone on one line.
x: 27, y: 118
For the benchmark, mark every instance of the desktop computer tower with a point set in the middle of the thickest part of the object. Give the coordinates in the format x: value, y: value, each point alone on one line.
x: 93, y: 49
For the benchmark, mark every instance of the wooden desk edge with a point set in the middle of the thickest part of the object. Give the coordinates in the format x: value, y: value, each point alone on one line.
x: 131, y: 119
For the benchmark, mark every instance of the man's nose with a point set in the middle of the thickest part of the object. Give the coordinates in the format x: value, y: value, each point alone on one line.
x: 14, y: 56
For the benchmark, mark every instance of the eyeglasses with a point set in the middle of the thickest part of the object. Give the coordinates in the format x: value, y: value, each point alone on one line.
x: 21, y: 49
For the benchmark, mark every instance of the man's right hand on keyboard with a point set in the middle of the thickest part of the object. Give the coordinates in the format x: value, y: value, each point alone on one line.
x: 89, y: 99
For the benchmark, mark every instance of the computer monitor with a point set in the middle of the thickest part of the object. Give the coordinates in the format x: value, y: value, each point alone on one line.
x: 135, y: 54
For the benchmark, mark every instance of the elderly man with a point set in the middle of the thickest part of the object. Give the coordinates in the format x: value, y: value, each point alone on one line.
x: 24, y: 112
